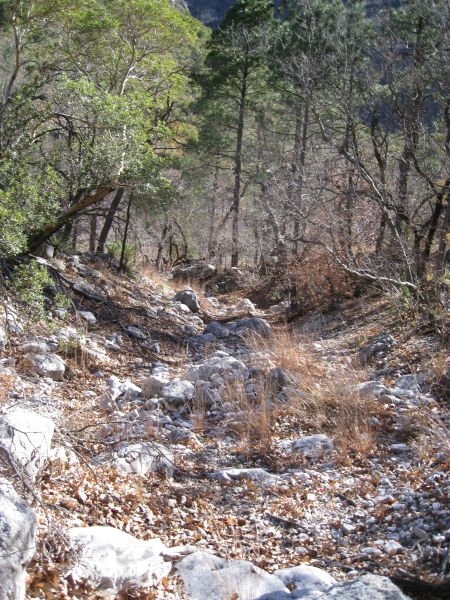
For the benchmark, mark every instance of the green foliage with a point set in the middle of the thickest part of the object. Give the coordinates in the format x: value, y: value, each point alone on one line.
x: 115, y: 251
x: 28, y: 282
x: 28, y: 201
x: 99, y: 85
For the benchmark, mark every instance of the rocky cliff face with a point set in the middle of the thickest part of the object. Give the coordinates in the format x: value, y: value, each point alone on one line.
x: 211, y: 12
x: 180, y: 4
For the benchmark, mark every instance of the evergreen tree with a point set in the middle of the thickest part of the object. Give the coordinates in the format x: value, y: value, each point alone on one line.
x: 236, y: 68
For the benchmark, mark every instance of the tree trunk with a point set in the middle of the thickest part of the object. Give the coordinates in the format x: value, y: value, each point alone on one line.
x: 411, y: 135
x: 125, y: 234
x: 109, y: 219
x: 442, y: 253
x: 162, y: 241
x: 300, y: 174
x: 75, y: 235
x: 92, y: 233
x: 84, y: 201
x: 238, y: 170
x: 212, y: 210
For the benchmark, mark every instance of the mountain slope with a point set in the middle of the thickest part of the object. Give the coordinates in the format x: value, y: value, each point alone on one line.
x: 211, y: 12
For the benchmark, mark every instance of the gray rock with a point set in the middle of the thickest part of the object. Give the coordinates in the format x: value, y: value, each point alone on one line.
x: 153, y: 385
x: 367, y: 587
x: 140, y: 458
x: 3, y: 338
x: 372, y: 388
x: 136, y: 333
x: 90, y: 291
x: 46, y: 365
x: 380, y: 345
x: 306, y: 579
x: 208, y: 577
x: 252, y: 474
x: 250, y: 325
x: 17, y: 542
x: 198, y: 270
x: 216, y: 329
x: 189, y: 299
x: 13, y: 322
x: 111, y: 561
x: 278, y: 378
x: 86, y: 271
x: 87, y: 316
x: 221, y: 365
x: 314, y: 446
x: 177, y: 391
x: 25, y: 439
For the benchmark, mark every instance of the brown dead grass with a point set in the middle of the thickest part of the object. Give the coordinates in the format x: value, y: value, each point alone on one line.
x: 323, y: 400
x: 253, y: 423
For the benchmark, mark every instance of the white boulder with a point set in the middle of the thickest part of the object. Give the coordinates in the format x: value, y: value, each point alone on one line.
x: 177, y: 391
x: 314, y: 446
x: 111, y: 561
x: 140, y: 458
x: 3, y: 338
x: 209, y: 577
x: 188, y: 298
x: 153, y: 385
x: 25, y: 439
x: 367, y: 587
x: 87, y: 316
x: 306, y: 579
x: 220, y: 365
x: 17, y: 542
x: 46, y: 365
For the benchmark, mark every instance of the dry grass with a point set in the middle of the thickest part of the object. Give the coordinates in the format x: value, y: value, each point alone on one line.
x: 432, y: 437
x: 6, y: 385
x: 322, y: 400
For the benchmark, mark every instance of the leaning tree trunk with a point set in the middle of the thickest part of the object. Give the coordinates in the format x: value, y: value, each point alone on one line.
x: 92, y: 233
x: 125, y: 234
x: 109, y: 219
x: 84, y: 201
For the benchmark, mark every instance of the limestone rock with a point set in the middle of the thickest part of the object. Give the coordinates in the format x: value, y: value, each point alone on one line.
x: 314, y: 446
x: 196, y: 270
x: 250, y: 325
x: 139, y: 458
x: 3, y: 338
x: 367, y: 587
x: 221, y: 365
x: 178, y: 391
x: 189, y: 299
x: 17, y: 542
x: 89, y: 290
x: 46, y: 365
x: 111, y: 561
x: 25, y: 440
x: 208, y: 577
x: 306, y: 579
x: 87, y: 316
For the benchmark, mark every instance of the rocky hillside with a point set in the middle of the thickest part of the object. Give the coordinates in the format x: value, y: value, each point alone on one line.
x: 159, y: 443
x: 211, y: 12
